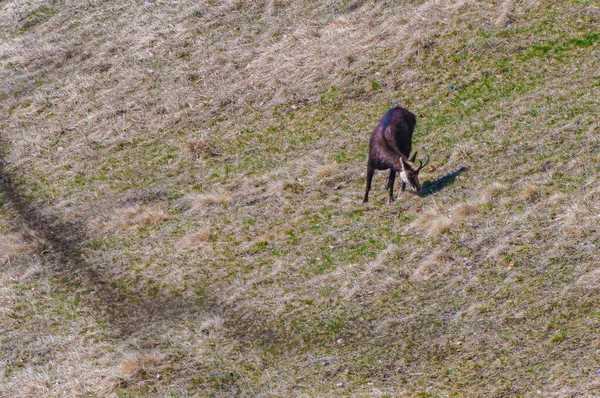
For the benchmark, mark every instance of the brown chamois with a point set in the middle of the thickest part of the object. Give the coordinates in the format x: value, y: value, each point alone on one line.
x: 390, y: 147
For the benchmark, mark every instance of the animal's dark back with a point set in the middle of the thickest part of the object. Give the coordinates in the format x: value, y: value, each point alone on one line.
x: 400, y: 124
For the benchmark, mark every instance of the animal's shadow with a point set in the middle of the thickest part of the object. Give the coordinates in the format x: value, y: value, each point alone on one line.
x: 431, y: 187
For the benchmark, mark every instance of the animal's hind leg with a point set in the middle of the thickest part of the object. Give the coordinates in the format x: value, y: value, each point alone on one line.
x: 370, y: 172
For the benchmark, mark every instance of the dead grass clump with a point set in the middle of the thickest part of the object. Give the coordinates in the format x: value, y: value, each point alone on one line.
x: 433, y: 222
x: 491, y: 192
x: 436, y: 264
x: 470, y: 208
x: 417, y: 43
x: 325, y: 172
x: 466, y: 209
x: 134, y: 218
x: 21, y: 243
x: 147, y: 217
x: 195, y: 240
x: 590, y: 280
x: 580, y: 219
x: 463, y: 152
x: 530, y: 193
x: 505, y: 14
x: 424, y: 272
x: 129, y: 368
x: 199, y: 148
x: 212, y: 326
x: 134, y: 369
x: 475, y: 309
x: 579, y: 215
x: 441, y: 224
x: 217, y: 197
x: 258, y: 244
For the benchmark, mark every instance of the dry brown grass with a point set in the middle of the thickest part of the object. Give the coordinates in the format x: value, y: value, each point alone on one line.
x: 491, y: 192
x: 196, y: 240
x: 434, y: 222
x: 530, y: 193
x: 217, y: 197
x: 23, y: 243
x: 466, y: 151
x: 132, y: 218
x: 341, y: 48
x: 466, y: 209
x: 326, y: 172
x: 580, y: 215
x: 590, y: 280
x: 135, y: 368
x: 258, y: 272
x: 199, y: 148
x: 436, y: 264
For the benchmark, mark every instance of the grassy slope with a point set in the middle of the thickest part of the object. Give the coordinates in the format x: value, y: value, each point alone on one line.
x: 136, y: 263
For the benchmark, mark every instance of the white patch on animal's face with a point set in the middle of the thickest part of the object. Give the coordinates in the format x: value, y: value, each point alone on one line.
x: 404, y: 177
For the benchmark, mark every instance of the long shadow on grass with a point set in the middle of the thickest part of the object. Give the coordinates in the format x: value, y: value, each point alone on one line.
x: 65, y: 260
x: 431, y: 187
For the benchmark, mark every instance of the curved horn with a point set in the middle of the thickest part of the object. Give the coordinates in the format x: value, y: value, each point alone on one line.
x: 421, y: 164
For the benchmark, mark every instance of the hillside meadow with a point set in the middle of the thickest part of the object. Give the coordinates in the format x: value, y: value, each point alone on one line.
x: 181, y: 187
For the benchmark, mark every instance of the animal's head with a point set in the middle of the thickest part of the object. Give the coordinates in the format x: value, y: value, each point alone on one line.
x: 410, y: 171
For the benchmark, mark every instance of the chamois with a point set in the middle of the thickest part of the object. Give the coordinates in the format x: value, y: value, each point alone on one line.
x: 389, y: 148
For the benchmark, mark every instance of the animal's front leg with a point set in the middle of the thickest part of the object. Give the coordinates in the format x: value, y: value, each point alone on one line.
x: 391, y: 180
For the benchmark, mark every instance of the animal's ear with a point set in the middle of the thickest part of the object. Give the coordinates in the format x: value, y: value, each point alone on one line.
x: 414, y: 157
